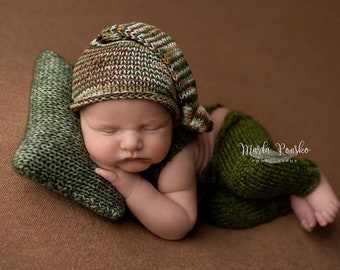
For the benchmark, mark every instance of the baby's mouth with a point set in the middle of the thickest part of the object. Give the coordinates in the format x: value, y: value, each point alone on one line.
x: 136, y: 159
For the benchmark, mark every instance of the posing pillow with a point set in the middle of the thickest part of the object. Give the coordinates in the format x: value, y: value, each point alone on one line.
x: 52, y: 151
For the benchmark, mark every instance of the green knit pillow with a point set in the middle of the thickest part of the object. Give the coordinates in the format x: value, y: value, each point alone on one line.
x: 52, y: 151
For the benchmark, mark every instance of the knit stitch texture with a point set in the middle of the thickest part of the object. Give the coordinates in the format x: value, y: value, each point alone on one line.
x: 52, y: 151
x: 242, y: 191
x: 139, y: 61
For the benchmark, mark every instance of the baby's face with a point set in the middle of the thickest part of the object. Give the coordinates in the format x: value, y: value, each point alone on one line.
x: 129, y: 134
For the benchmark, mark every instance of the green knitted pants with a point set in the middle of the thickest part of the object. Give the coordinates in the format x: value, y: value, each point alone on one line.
x: 242, y: 191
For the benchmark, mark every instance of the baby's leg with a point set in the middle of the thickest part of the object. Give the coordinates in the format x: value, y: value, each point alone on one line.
x: 250, y: 178
x: 230, y: 211
x: 315, y: 200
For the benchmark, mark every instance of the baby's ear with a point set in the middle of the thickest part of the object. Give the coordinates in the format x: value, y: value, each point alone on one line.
x: 52, y: 151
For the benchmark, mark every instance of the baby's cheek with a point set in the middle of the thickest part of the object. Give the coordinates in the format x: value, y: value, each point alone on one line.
x: 90, y: 147
x: 161, y: 149
x: 101, y: 159
x: 94, y: 148
x: 99, y: 152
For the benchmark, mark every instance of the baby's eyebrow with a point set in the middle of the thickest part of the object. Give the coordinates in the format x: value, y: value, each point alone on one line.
x: 156, y: 121
x: 153, y: 120
x: 101, y: 125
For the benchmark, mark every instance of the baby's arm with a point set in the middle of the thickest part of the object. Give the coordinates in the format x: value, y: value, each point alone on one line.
x: 169, y: 212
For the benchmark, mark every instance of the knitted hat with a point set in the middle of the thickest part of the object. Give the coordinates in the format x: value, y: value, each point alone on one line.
x: 138, y: 61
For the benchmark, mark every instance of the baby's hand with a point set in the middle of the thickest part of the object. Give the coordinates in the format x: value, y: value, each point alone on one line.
x: 124, y: 182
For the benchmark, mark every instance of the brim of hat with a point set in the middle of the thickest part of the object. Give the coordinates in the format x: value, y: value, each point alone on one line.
x: 165, y: 101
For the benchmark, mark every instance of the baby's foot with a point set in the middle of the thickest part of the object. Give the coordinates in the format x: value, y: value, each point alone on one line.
x: 324, y: 202
x: 304, y: 212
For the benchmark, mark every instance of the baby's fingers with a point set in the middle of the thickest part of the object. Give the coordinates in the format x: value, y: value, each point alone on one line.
x: 108, y: 175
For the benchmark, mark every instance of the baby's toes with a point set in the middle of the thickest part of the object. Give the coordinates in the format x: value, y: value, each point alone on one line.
x: 332, y: 210
x: 325, y: 217
x: 306, y: 225
x: 330, y: 215
x: 320, y: 218
x: 335, y: 205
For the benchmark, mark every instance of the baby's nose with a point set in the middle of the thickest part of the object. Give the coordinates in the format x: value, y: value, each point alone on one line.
x: 131, y: 141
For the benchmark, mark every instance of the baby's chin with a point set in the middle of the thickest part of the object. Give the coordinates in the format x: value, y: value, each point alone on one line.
x: 130, y: 168
x: 134, y: 168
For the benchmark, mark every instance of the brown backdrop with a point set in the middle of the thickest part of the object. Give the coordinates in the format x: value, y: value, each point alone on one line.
x: 277, y: 60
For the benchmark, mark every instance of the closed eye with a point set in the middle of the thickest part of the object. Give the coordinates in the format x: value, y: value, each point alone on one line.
x: 151, y: 128
x: 109, y: 131
x: 155, y: 126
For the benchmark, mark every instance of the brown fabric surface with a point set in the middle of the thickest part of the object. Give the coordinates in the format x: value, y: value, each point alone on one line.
x: 276, y: 60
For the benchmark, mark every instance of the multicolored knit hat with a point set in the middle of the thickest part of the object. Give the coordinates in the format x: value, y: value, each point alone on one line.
x: 138, y: 61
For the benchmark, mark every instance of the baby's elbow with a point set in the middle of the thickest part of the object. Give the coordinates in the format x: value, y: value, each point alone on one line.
x: 175, y: 237
x: 180, y: 231
x: 181, y: 235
